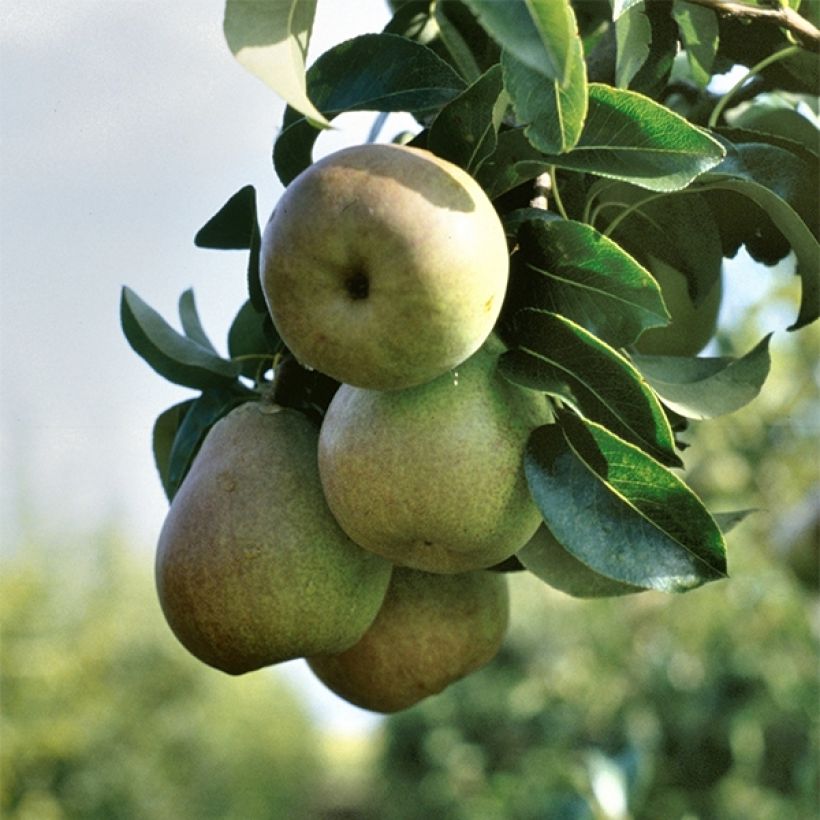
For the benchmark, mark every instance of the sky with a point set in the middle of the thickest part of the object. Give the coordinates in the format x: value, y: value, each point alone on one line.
x: 124, y: 126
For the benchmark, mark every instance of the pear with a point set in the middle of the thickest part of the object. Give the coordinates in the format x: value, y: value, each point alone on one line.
x: 384, y: 266
x: 432, y: 477
x: 431, y: 631
x: 251, y: 567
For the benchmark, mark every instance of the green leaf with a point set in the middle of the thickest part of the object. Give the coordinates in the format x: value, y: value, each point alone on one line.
x: 633, y: 36
x: 514, y: 161
x: 545, y: 558
x: 677, y: 228
x: 236, y: 227
x: 472, y: 51
x: 540, y: 33
x: 203, y: 413
x: 620, y: 7
x: 270, y: 39
x: 465, y: 131
x: 374, y: 72
x: 252, y: 335
x: 176, y: 357
x: 164, y: 433
x: 771, y: 177
x: 191, y: 324
x: 652, y: 77
x: 698, y: 28
x: 630, y: 137
x: 570, y: 268
x: 702, y: 388
x: 559, y: 357
x: 553, y: 114
x: 619, y: 511
x: 776, y: 117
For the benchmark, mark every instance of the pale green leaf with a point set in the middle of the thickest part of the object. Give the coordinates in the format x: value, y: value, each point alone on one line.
x: 270, y: 39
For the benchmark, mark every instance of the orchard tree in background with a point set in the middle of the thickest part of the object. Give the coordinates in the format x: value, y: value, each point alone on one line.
x: 621, y: 181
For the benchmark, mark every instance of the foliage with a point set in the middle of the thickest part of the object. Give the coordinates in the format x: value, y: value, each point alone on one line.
x: 702, y: 706
x: 605, y: 118
x: 104, y: 718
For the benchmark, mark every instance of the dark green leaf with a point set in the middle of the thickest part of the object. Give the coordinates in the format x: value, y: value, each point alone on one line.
x: 471, y: 50
x: 653, y: 76
x: 619, y: 511
x: 677, y: 228
x: 374, y: 72
x: 570, y: 268
x: 774, y: 117
x: 773, y: 178
x: 515, y: 219
x: 251, y: 340
x: 553, y: 113
x: 560, y: 357
x: 164, y: 433
x: 466, y: 129
x: 628, y: 136
x: 234, y: 225
x: 545, y: 558
x: 541, y: 33
x: 271, y: 40
x: 191, y: 324
x: 203, y: 413
x: 176, y: 357
x: 702, y: 388
x: 514, y: 161
x: 699, y: 32
x: 633, y: 36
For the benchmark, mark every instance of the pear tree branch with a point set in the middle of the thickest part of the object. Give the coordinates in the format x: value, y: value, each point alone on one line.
x: 804, y: 33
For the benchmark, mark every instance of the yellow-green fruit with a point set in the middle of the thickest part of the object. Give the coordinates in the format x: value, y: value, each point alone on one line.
x: 690, y: 327
x: 432, y: 477
x: 251, y: 568
x: 384, y: 266
x: 431, y: 631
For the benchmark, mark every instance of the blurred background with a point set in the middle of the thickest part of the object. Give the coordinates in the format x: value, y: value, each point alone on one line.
x: 123, y: 128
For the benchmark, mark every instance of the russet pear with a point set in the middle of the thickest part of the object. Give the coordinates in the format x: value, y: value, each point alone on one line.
x: 432, y: 477
x: 384, y: 266
x: 251, y: 567
x: 431, y: 631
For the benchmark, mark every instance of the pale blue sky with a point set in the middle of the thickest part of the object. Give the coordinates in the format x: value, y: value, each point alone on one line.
x: 123, y: 127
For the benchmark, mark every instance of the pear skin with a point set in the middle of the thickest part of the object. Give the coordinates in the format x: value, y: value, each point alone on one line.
x: 432, y: 477
x: 251, y: 568
x: 431, y: 631
x: 384, y: 266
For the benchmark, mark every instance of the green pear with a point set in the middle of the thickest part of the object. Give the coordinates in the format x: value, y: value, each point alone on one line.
x: 432, y: 477
x: 431, y: 631
x: 384, y: 266
x: 251, y: 568
x: 691, y: 326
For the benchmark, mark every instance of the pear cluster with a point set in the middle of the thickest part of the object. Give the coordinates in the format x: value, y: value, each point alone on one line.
x: 365, y: 546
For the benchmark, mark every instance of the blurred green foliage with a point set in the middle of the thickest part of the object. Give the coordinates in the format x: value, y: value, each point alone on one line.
x: 652, y: 706
x: 704, y: 705
x: 104, y: 716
